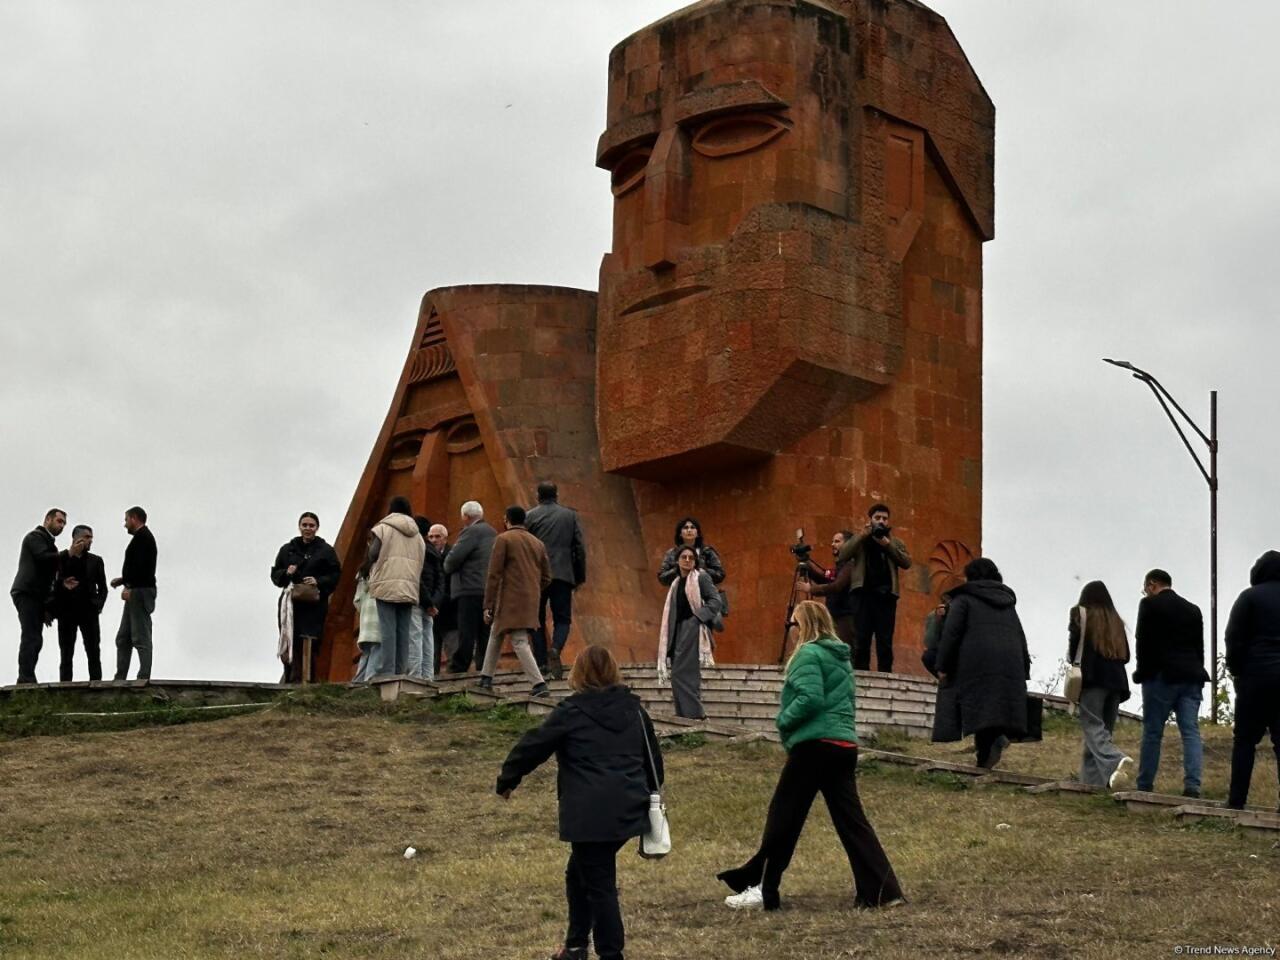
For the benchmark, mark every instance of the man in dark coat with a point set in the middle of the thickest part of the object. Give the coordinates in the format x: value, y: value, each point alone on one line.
x: 467, y: 566
x: 1170, y: 667
x: 560, y: 531
x: 307, y: 560
x: 138, y: 577
x: 79, y: 594
x: 445, y: 622
x: 32, y: 590
x: 983, y: 655
x: 1253, y: 659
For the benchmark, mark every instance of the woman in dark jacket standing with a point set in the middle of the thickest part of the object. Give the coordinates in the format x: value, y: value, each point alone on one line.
x: 1105, y: 685
x: 310, y: 567
x: 603, y: 741
x: 685, y: 644
x: 983, y: 654
x: 816, y: 721
x: 689, y: 534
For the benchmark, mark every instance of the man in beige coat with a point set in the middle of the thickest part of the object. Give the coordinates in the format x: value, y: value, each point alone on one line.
x: 519, y: 570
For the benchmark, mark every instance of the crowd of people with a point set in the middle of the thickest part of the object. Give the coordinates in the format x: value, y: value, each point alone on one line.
x: 70, y: 586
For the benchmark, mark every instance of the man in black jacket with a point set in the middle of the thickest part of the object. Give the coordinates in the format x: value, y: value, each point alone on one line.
x: 560, y: 532
x: 32, y: 590
x: 1253, y: 659
x: 467, y: 565
x: 1170, y: 667
x: 432, y: 587
x: 138, y: 577
x: 79, y: 594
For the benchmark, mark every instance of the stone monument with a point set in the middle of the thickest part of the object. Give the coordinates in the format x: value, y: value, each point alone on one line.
x: 789, y: 325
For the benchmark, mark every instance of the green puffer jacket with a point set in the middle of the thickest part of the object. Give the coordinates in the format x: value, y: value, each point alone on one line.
x: 817, y: 697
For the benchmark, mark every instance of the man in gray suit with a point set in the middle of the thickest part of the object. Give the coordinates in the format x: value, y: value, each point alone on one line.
x: 467, y: 566
x: 560, y: 532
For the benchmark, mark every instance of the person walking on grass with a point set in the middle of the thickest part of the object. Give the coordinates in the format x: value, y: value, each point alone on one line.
x: 816, y: 720
x: 1095, y: 623
x: 602, y: 739
x: 983, y: 655
x: 1253, y: 659
x: 1170, y: 642
x: 519, y: 571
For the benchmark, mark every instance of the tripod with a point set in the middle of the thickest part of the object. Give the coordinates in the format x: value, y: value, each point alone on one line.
x: 801, y: 575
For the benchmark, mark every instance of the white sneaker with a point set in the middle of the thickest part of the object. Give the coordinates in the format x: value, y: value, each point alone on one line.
x: 749, y: 899
x: 1121, y: 779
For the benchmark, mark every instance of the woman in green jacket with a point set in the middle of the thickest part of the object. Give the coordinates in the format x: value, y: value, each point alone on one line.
x: 815, y: 719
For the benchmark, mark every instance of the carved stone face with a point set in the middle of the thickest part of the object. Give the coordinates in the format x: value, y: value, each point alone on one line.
x: 734, y: 272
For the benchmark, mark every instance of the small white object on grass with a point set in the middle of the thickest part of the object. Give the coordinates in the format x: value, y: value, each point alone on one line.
x: 1002, y: 826
x: 410, y: 853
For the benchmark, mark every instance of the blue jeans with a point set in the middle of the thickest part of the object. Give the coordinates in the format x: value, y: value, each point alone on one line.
x: 1159, y: 699
x: 395, y: 623
x: 422, y: 646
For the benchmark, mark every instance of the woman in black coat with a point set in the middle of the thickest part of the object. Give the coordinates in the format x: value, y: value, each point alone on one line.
x: 1105, y: 685
x: 309, y: 561
x: 603, y: 741
x: 689, y: 534
x: 983, y: 658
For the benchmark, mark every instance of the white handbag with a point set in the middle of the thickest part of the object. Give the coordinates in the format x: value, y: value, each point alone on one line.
x: 655, y: 843
x: 1074, y: 684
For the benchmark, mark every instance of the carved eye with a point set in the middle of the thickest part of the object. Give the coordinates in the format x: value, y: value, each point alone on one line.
x: 738, y: 134
x: 629, y: 171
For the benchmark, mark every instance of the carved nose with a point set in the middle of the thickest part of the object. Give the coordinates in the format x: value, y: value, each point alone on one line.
x: 666, y: 199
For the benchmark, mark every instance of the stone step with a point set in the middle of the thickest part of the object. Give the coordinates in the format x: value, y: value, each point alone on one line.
x: 1064, y: 786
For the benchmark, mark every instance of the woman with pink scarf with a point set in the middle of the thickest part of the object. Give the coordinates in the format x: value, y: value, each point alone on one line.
x: 685, y: 644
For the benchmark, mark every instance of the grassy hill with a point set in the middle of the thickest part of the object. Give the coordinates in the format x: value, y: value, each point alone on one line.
x: 280, y: 834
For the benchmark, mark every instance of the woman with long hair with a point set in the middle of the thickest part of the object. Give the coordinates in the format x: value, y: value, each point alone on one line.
x: 816, y: 720
x: 603, y: 741
x: 689, y: 534
x: 685, y: 644
x: 983, y: 656
x: 1095, y: 622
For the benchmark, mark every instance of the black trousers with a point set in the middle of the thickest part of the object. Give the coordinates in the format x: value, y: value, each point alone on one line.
x: 31, y: 636
x: 1257, y: 711
x: 813, y: 767
x: 591, y: 887
x: 559, y: 597
x: 874, y: 615
x: 86, y: 621
x: 983, y: 740
x: 473, y: 635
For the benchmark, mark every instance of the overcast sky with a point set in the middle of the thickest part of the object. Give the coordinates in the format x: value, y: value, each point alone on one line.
x: 217, y: 221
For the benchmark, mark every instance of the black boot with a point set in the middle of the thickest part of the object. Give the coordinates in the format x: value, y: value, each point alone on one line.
x: 486, y: 683
x: 540, y: 690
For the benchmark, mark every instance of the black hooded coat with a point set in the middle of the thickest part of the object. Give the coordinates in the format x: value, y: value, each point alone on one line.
x: 983, y: 654
x: 604, y: 782
x: 1253, y: 629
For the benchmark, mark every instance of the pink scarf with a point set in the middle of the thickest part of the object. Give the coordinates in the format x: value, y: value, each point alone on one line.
x: 693, y: 592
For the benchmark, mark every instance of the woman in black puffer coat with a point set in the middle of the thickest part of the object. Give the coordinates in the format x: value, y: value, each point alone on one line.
x: 983, y: 658
x: 604, y: 744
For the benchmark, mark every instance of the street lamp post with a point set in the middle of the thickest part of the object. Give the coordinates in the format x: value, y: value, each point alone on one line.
x: 1165, y: 399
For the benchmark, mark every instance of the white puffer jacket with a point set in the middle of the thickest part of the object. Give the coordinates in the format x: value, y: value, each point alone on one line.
x: 398, y: 569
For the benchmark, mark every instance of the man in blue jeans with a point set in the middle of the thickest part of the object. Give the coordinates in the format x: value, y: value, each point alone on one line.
x: 1170, y: 641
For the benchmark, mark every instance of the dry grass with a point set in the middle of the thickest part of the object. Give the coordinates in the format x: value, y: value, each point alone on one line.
x: 280, y: 835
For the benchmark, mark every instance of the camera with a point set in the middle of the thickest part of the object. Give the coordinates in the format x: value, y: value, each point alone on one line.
x: 881, y: 530
x: 800, y: 549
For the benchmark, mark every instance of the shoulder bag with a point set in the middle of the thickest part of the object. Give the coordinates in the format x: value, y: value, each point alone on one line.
x: 655, y: 843
x: 1074, y: 685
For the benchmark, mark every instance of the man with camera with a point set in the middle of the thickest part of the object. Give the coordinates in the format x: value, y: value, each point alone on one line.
x: 874, y: 558
x: 833, y: 586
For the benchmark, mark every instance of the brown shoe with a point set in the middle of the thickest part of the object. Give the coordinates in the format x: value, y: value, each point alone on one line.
x: 554, y: 667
